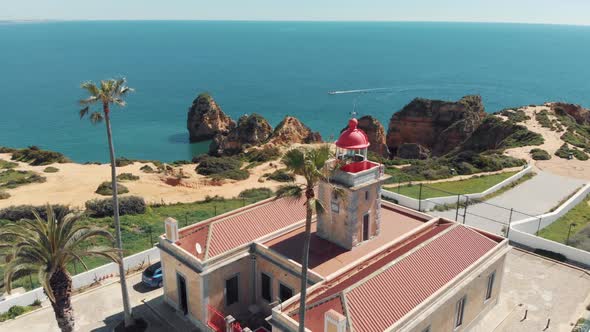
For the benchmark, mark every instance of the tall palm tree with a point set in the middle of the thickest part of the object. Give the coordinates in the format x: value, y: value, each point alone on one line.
x: 46, y: 247
x: 109, y: 92
x: 311, y: 164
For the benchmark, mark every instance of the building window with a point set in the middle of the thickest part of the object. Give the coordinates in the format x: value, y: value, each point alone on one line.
x: 265, y: 287
x: 366, y: 195
x: 285, y: 292
x: 231, y: 291
x: 491, y: 278
x: 459, y: 312
x: 335, y: 203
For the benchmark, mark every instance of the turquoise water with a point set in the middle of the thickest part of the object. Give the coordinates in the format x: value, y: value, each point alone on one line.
x: 275, y: 69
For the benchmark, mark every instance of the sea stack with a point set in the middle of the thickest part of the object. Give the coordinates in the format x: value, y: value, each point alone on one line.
x: 435, y: 125
x: 291, y: 130
x: 206, y: 119
x: 252, y: 130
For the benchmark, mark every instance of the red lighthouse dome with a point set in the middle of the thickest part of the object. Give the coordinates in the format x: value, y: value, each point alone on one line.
x: 353, y: 138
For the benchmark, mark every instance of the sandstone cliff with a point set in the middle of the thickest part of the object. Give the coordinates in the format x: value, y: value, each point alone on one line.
x: 376, y: 134
x: 206, y: 119
x: 251, y: 130
x: 291, y: 130
x: 435, y: 125
x: 580, y: 114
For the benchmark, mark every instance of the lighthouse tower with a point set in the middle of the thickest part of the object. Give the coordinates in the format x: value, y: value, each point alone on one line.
x: 352, y: 198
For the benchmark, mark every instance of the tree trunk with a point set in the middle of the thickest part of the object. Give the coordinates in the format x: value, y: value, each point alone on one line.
x: 61, y: 286
x: 305, y: 257
x: 123, y: 281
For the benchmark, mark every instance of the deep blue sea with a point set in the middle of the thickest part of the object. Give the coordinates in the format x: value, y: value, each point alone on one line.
x: 271, y: 68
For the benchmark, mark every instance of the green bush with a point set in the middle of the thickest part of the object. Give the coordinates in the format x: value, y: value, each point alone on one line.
x: 543, y: 118
x: 564, y: 152
x: 514, y: 114
x: 180, y: 162
x: 127, y: 177
x: 234, y: 174
x: 575, y: 139
x: 122, y: 162
x: 36, y: 157
x: 18, y: 212
x: 264, y: 154
x: 131, y: 205
x: 12, y: 178
x: 222, y: 167
x: 4, y: 195
x: 256, y: 193
x: 4, y: 149
x: 281, y: 176
x: 540, y: 154
x: 7, y: 164
x: 146, y: 169
x: 51, y: 169
x: 580, y: 155
x: 106, y: 189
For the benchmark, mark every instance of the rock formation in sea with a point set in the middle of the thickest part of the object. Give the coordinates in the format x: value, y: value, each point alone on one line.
x: 376, y: 134
x: 251, y: 130
x: 412, y: 151
x: 206, y: 119
x: 291, y: 130
x: 435, y: 125
x: 580, y: 114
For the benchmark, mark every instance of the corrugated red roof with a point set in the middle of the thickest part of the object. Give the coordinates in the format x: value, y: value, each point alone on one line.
x: 242, y: 228
x: 378, y: 302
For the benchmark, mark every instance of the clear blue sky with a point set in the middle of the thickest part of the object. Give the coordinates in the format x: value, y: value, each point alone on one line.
x: 526, y: 11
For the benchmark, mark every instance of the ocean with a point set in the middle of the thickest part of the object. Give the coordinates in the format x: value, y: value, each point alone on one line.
x: 271, y: 68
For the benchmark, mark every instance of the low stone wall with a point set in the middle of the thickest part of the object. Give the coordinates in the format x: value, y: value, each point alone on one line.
x: 523, y: 231
x: 84, y: 279
x: 430, y: 203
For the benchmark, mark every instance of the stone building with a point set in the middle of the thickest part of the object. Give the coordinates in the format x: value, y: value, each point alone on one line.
x: 374, y: 265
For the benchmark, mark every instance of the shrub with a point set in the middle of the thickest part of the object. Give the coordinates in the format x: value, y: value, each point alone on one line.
x: 256, y: 193
x: 514, y: 114
x: 4, y: 149
x: 4, y: 195
x: 51, y: 169
x: 106, y: 189
x: 540, y: 154
x: 18, y: 212
x: 221, y: 168
x: 127, y: 177
x: 574, y: 139
x: 146, y: 169
x: 99, y: 208
x: 550, y: 254
x: 234, y: 174
x: 7, y: 164
x: 180, y: 162
x: 36, y: 157
x: 563, y: 151
x: 12, y: 178
x: 281, y: 175
x: 580, y: 155
x: 264, y: 154
x: 122, y: 162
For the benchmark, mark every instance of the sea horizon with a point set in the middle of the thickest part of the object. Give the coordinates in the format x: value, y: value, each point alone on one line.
x: 274, y: 68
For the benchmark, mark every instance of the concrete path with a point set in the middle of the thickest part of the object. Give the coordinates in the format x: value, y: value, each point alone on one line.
x: 100, y: 310
x: 541, y: 290
x: 531, y: 198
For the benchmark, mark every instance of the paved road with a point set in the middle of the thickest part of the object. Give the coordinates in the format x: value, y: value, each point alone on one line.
x: 99, y: 310
x: 533, y: 197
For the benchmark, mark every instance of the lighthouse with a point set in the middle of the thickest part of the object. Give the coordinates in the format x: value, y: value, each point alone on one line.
x: 352, y: 197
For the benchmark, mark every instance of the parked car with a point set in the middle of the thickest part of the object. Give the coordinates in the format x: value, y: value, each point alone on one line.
x: 152, y: 276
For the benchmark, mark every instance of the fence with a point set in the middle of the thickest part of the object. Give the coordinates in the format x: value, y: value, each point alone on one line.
x: 524, y: 231
x: 87, y: 278
x: 448, y: 198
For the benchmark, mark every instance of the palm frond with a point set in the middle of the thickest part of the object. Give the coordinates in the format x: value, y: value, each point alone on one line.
x: 294, y: 160
x: 291, y: 191
x: 96, y: 117
x: 84, y: 111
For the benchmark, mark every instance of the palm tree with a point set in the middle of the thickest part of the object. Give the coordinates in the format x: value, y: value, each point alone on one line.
x: 110, y: 92
x: 46, y: 247
x: 311, y: 164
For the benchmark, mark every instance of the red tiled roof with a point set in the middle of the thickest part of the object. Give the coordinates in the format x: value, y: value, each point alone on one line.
x: 193, y: 236
x: 242, y: 228
x: 380, y: 301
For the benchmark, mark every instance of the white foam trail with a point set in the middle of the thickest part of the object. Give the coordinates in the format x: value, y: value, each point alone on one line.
x: 359, y: 91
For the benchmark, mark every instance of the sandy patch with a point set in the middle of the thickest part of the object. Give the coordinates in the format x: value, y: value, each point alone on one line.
x: 572, y: 168
x: 75, y: 184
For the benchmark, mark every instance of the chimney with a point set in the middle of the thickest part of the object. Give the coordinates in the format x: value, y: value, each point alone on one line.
x: 334, y: 321
x: 171, y: 226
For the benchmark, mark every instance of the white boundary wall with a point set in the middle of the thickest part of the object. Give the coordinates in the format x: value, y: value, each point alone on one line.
x: 86, y: 278
x: 430, y: 203
x: 523, y: 231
